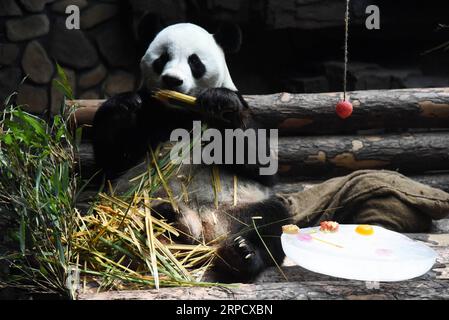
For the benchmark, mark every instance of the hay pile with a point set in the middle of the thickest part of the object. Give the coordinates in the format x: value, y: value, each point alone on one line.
x: 126, y: 245
x: 48, y: 246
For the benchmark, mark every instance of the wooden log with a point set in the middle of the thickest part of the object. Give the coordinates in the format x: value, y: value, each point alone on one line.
x: 390, y: 109
x: 315, y: 113
x: 318, y: 158
x: 326, y: 156
x: 303, y: 284
x: 320, y: 290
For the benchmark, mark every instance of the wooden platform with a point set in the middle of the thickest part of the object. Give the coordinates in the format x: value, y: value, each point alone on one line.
x: 306, y: 285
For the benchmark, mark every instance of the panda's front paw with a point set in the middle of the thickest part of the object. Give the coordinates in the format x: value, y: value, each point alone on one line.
x: 127, y: 101
x: 223, y: 105
x: 238, y: 260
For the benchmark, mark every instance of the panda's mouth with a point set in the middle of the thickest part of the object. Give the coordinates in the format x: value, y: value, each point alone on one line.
x: 191, y: 92
x: 179, y: 89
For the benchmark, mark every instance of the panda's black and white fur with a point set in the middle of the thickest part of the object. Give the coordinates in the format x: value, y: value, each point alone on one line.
x: 186, y: 58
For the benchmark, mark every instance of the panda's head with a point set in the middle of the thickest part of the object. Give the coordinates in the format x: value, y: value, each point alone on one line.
x: 186, y: 58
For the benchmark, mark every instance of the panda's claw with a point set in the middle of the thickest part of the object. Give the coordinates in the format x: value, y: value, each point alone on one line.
x: 243, y: 248
x: 243, y: 257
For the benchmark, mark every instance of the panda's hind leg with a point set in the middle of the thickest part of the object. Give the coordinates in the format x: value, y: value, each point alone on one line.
x: 254, y: 243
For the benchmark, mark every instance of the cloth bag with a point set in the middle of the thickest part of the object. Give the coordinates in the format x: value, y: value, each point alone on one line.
x: 377, y: 197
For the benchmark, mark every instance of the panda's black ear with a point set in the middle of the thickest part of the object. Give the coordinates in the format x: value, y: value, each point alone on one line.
x: 229, y: 37
x: 147, y: 29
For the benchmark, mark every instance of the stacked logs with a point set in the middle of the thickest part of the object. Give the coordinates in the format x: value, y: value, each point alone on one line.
x: 404, y: 130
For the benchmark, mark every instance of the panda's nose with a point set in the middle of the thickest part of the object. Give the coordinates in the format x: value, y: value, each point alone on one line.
x: 172, y: 82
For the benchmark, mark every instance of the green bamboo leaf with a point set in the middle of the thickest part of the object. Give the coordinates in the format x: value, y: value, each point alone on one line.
x: 38, y: 180
x: 78, y: 136
x: 22, y: 232
x: 60, y: 250
x: 37, y: 125
x: 7, y: 138
x: 63, y: 85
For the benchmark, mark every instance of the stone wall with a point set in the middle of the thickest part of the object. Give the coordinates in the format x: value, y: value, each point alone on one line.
x: 99, y: 59
x: 289, y: 45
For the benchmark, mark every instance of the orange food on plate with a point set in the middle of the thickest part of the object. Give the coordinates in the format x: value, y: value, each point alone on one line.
x: 329, y: 226
x: 364, y: 229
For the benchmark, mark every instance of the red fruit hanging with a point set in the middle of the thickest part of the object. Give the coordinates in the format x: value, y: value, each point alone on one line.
x: 344, y: 109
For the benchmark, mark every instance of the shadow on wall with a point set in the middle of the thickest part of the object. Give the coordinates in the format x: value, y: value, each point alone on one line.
x: 289, y: 45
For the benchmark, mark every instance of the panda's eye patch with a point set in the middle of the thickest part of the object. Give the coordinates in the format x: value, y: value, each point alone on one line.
x: 197, y: 67
x: 159, y: 63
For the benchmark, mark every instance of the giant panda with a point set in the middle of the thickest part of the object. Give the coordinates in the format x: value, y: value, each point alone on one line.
x: 186, y: 58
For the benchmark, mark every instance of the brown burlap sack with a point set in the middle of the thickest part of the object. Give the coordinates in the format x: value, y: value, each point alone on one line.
x: 376, y: 197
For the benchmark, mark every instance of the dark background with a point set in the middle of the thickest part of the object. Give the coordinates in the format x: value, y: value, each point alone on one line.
x: 288, y: 45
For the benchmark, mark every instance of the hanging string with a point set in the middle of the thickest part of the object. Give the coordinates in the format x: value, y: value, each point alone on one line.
x: 346, y: 49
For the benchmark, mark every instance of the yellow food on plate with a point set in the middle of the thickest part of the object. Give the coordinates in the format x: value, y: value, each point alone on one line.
x: 364, y: 229
x: 290, y: 229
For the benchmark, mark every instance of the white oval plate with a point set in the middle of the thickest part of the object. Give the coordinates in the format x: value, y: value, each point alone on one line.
x: 383, y: 256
